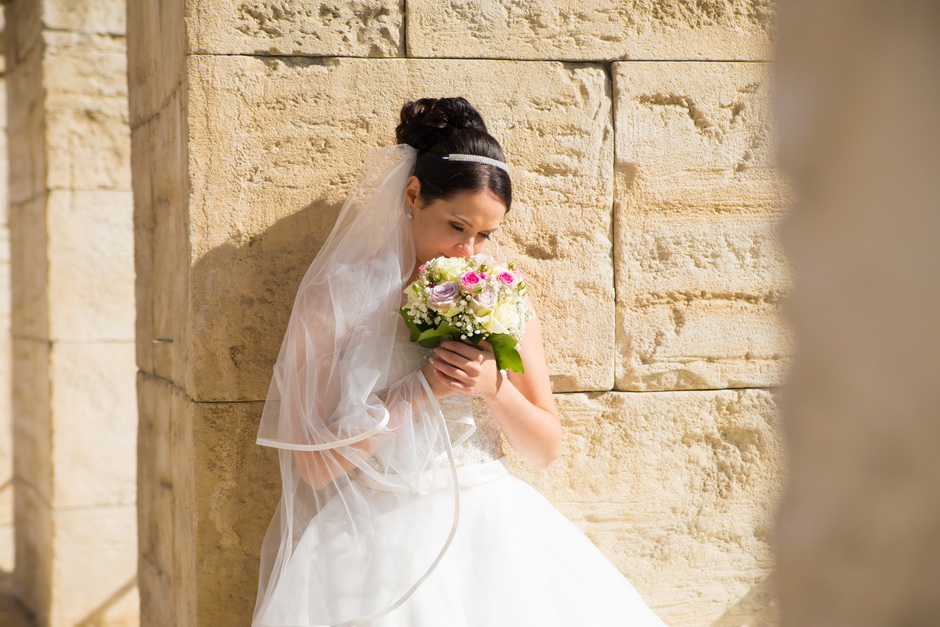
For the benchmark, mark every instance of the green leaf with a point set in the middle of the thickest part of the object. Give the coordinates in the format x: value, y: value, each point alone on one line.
x: 433, y: 337
x: 504, y: 348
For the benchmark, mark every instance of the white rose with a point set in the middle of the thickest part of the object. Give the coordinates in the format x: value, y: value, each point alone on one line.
x: 503, y: 318
x: 451, y: 268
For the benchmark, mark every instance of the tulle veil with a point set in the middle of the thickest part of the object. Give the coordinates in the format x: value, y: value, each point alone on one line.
x: 330, y: 555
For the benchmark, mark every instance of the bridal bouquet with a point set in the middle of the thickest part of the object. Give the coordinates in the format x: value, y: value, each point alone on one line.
x: 472, y: 299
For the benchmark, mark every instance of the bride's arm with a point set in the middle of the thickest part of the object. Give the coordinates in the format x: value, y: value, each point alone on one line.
x: 521, y: 403
x: 320, y: 468
x: 311, y: 391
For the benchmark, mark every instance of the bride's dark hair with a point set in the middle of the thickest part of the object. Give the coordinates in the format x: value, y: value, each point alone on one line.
x: 437, y: 127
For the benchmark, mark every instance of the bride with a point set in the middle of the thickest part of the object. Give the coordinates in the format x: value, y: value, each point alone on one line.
x: 398, y: 508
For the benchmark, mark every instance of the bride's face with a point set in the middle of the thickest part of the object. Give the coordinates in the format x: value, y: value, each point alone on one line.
x: 457, y: 227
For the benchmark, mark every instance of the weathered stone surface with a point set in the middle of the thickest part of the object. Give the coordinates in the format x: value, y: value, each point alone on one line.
x: 591, y: 29
x: 700, y: 274
x: 87, y: 16
x: 32, y: 577
x: 95, y: 567
x: 677, y: 489
x: 91, y: 270
x: 157, y: 46
x: 91, y: 267
x: 363, y: 28
x: 94, y: 409
x: 201, y: 527
x: 161, y: 249
x: 266, y: 190
x: 32, y: 430
x: 237, y: 491
x: 85, y: 100
x: 29, y: 296
x: 165, y: 505
x: 27, y: 176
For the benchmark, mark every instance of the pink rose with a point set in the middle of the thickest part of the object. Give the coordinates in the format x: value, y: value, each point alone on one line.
x: 471, y: 280
x: 507, y: 278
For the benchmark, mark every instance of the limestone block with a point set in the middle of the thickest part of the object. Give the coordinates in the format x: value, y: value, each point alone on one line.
x: 86, y: 126
x: 591, y: 29
x: 156, y: 46
x: 364, y: 28
x: 677, y: 489
x: 28, y: 242
x: 165, y: 505
x: 161, y: 249
x: 22, y: 31
x: 91, y: 267
x: 25, y: 126
x: 275, y: 145
x: 32, y: 577
x: 237, y: 490
x: 700, y: 274
x: 95, y: 567
x: 32, y: 429
x: 93, y: 453
x: 89, y: 16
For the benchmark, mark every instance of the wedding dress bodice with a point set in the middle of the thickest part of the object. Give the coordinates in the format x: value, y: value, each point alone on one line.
x: 483, y: 445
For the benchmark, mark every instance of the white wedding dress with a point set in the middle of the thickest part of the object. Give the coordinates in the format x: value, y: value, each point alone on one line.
x: 514, y: 561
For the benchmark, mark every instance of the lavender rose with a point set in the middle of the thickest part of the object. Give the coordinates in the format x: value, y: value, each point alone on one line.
x: 483, y: 302
x: 443, y: 297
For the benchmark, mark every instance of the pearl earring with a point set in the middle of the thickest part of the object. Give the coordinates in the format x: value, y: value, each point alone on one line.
x: 409, y: 216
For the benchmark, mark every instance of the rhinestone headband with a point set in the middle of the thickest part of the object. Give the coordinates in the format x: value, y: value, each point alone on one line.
x: 477, y: 158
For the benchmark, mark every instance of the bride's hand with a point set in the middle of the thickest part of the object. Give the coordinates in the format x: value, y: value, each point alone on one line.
x: 466, y: 368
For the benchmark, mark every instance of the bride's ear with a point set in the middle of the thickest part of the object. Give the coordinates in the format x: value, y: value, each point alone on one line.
x: 412, y: 192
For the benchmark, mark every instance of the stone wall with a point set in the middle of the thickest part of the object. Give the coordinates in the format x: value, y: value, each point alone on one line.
x: 645, y: 202
x: 74, y: 401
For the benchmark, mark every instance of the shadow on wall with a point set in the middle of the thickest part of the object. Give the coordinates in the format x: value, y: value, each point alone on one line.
x: 243, y: 299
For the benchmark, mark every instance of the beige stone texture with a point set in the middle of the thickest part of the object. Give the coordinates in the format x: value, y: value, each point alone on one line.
x: 72, y: 314
x: 201, y: 525
x: 591, y: 29
x: 86, y: 133
x: 91, y: 277
x: 29, y: 268
x: 166, y: 502
x: 93, y: 444
x: 161, y: 248
x: 261, y: 132
x: 858, y: 533
x: 95, y: 566
x: 700, y: 274
x: 32, y: 578
x: 24, y: 123
x: 155, y: 68
x: 236, y: 492
x: 363, y: 28
x: 85, y: 16
x: 677, y: 490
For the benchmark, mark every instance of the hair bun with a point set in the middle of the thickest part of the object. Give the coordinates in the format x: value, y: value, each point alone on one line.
x: 426, y: 120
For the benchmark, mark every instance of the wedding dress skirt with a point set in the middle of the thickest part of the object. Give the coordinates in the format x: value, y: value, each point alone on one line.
x: 513, y: 561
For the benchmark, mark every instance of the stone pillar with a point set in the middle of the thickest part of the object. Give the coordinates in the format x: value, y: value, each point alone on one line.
x: 644, y: 207
x: 74, y: 402
x: 858, y: 534
x: 6, y: 424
